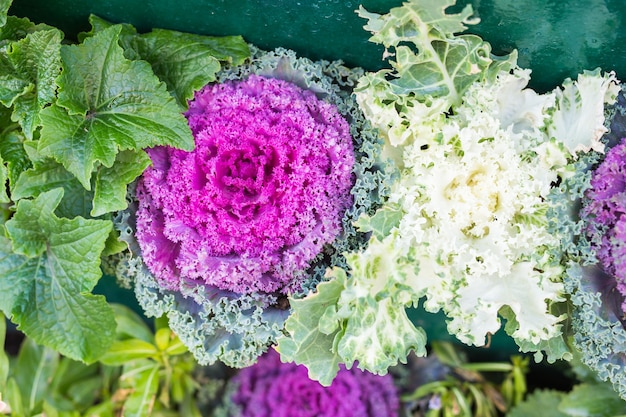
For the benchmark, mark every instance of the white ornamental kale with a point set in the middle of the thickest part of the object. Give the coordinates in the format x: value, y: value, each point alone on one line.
x: 470, y: 224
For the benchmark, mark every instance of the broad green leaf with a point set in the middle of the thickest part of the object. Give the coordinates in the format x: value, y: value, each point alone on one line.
x: 17, y: 28
x: 107, y: 103
x: 4, y: 9
x: 46, y: 274
x: 110, y: 183
x: 122, y: 351
x: 593, y: 400
x: 33, y: 371
x: 187, y: 62
x: 144, y: 381
x: 49, y: 175
x: 13, y: 397
x: 306, y: 344
x: 12, y: 148
x: 130, y: 325
x: 36, y: 61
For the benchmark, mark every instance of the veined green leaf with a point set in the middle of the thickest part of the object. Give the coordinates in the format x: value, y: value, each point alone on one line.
x: 593, y: 400
x: 12, y: 147
x: 306, y: 344
x: 46, y: 272
x: 110, y: 183
x: 187, y: 62
x: 107, y: 103
x: 36, y: 61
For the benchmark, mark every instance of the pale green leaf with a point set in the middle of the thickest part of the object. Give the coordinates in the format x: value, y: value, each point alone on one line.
x: 110, y: 183
x: 187, y: 62
x: 306, y: 344
x: 107, y: 103
x: 13, y: 397
x: 122, y: 351
x: 4, y: 9
x: 593, y: 400
x: 544, y: 400
x: 130, y: 325
x: 144, y: 382
x: 33, y: 371
x: 46, y: 276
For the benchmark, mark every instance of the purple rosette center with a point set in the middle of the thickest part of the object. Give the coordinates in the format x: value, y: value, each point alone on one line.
x: 605, y: 214
x: 265, y: 188
x: 271, y: 388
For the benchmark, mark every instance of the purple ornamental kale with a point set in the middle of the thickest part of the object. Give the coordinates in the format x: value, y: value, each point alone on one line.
x: 265, y: 188
x: 271, y: 388
x: 605, y: 214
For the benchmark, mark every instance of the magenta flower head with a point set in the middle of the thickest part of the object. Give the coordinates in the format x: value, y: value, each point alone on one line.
x: 605, y: 214
x: 265, y: 188
x: 271, y: 388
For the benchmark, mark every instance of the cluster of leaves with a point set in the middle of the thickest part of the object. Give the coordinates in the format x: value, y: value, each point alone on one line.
x: 462, y: 388
x: 74, y: 120
x: 590, y: 397
x: 144, y: 373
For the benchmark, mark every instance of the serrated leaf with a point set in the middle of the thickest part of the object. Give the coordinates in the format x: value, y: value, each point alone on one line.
x: 46, y: 274
x: 110, y: 183
x: 107, y: 103
x: 12, y: 150
x: 306, y: 344
x: 593, y: 400
x: 36, y: 61
x: 187, y: 62
x: 33, y: 371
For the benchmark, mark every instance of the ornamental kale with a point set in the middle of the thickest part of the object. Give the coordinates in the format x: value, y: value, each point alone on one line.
x: 595, y: 281
x: 470, y: 224
x: 286, y: 207
x: 271, y: 388
x: 74, y: 122
x: 263, y: 191
x: 605, y: 214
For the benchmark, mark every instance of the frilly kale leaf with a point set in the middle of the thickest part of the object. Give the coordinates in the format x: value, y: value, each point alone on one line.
x: 598, y: 324
x: 39, y: 267
x: 236, y: 329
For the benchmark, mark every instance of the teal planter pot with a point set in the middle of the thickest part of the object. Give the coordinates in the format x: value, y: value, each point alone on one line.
x: 556, y: 39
